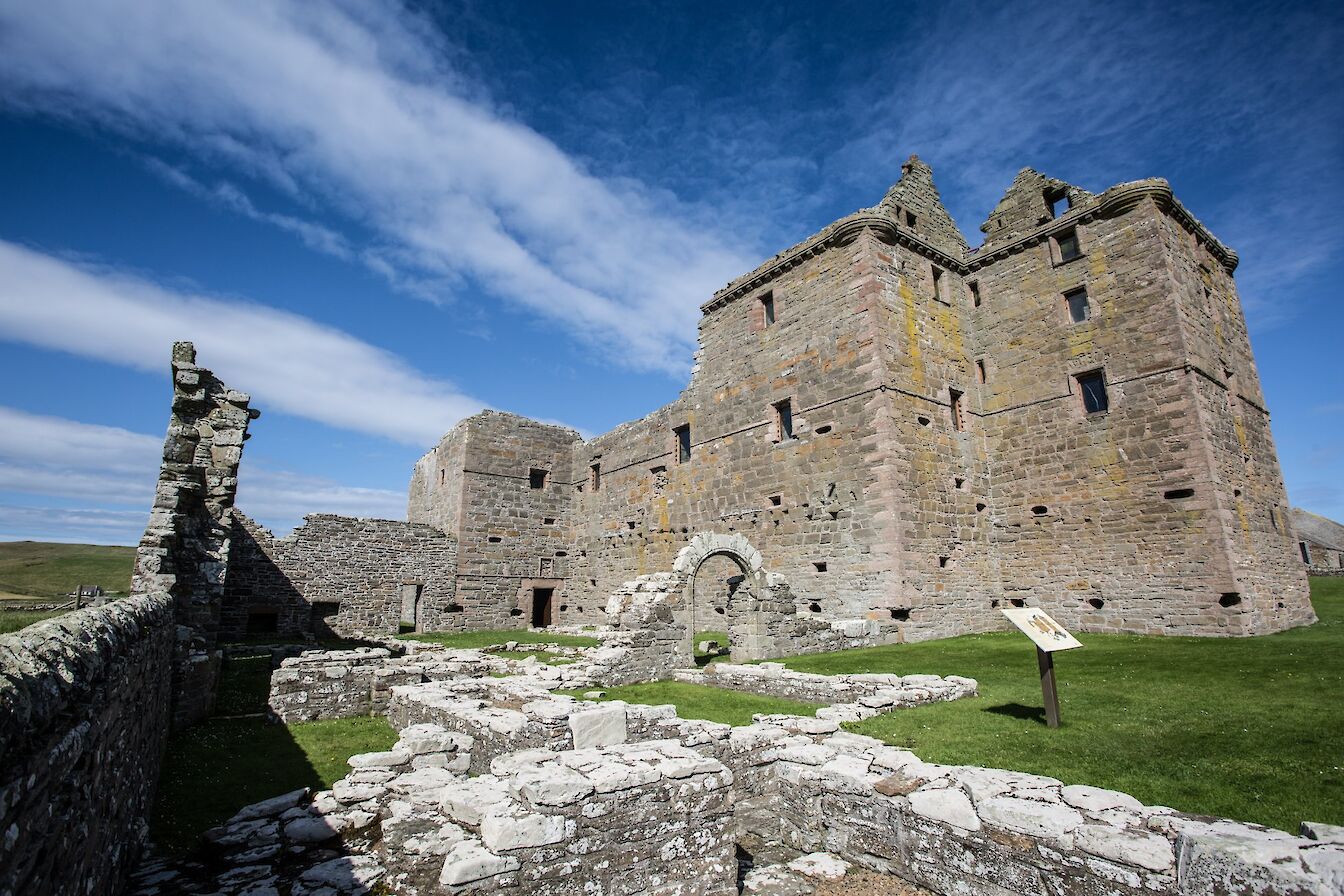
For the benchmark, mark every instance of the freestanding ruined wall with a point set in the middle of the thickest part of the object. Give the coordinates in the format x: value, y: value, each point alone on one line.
x: 84, y: 716
x: 185, y: 548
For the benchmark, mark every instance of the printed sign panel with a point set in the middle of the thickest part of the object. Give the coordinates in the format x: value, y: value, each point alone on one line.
x: 1045, y: 632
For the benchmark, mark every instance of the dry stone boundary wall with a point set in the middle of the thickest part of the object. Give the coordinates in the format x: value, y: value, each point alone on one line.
x: 84, y: 715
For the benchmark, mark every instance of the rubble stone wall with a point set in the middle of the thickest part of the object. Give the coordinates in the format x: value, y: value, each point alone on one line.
x: 85, y: 708
x: 364, y: 566
x: 185, y: 548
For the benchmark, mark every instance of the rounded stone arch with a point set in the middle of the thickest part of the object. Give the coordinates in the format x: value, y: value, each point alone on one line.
x: 736, y: 548
x: 706, y: 544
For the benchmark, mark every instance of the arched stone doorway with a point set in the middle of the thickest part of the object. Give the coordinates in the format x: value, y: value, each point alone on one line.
x: 707, y: 589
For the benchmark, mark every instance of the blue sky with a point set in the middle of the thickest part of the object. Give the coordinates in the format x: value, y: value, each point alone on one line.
x: 378, y: 219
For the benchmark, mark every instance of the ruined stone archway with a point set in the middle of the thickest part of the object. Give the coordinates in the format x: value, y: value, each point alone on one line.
x: 744, y: 620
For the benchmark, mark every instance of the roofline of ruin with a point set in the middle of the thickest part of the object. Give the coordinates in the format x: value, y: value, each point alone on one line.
x: 1115, y: 201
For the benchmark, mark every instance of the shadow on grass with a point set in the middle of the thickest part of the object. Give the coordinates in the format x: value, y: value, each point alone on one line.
x: 213, y: 769
x: 1019, y: 711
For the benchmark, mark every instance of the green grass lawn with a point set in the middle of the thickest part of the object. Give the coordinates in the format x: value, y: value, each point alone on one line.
x: 698, y: 701
x: 215, y: 768
x: 477, y: 640
x: 13, y: 620
x: 1248, y: 728
x: 49, y: 571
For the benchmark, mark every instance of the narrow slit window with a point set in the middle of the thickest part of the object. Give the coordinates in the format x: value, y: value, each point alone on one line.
x: 980, y: 372
x: 1306, y: 552
x: 1080, y: 309
x: 683, y: 434
x: 910, y: 219
x: 1068, y: 245
x: 1092, y: 387
x: 956, y: 409
x: 975, y: 293
x: 783, y: 420
x: 538, y: 478
x: 594, y: 477
x: 767, y: 309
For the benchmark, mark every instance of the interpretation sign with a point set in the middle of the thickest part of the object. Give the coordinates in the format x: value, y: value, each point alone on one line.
x: 1048, y: 636
x: 1044, y: 632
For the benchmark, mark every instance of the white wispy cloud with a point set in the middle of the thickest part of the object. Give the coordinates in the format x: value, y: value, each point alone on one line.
x: 287, y: 362
x: 351, y: 103
x: 108, y: 470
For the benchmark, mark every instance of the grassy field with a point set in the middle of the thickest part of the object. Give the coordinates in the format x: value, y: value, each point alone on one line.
x: 13, y: 620
x: 1249, y: 728
x: 44, y: 570
x: 477, y: 640
x: 214, y: 769
x: 698, y: 701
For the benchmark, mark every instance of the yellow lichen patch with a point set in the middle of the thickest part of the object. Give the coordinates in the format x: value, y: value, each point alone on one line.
x: 911, y: 334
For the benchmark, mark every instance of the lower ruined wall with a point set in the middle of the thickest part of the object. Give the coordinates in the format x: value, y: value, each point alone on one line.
x: 359, y: 565
x: 84, y: 716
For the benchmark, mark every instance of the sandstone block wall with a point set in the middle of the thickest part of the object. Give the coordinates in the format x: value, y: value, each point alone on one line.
x: 941, y: 462
x: 85, y: 706
x: 364, y: 566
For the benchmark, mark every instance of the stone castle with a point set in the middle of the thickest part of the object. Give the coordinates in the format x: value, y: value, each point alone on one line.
x: 910, y: 431
x: 886, y: 436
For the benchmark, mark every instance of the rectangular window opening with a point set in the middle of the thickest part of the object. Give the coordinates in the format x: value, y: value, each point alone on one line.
x: 910, y: 219
x: 975, y: 293
x: 1068, y: 245
x: 1092, y: 387
x: 956, y: 409
x: 594, y: 477
x: 783, y: 420
x: 1058, y: 202
x: 1306, y: 552
x: 776, y: 500
x: 683, y: 433
x: 819, y: 566
x: 980, y: 373
x: 938, y: 284
x: 1080, y: 309
x: 767, y: 309
x: 538, y: 478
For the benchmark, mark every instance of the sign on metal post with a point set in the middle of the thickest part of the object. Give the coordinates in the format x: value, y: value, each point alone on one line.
x: 1048, y: 636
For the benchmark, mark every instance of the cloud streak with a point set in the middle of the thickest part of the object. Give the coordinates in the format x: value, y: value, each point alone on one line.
x: 288, y: 362
x: 350, y: 104
x: 63, y: 461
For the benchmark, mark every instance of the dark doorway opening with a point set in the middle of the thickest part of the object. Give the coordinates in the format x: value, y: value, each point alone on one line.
x: 262, y: 621
x: 324, y: 614
x: 541, y: 606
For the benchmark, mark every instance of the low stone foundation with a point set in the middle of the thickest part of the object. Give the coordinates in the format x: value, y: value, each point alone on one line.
x: 848, y: 697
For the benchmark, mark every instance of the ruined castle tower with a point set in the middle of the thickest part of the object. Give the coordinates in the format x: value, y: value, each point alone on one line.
x: 914, y: 433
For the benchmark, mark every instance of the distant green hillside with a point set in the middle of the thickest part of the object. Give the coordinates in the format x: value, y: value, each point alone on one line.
x: 40, y: 569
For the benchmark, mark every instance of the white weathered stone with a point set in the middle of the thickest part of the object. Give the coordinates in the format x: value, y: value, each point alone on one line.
x: 1095, y: 799
x: 1054, y: 821
x: 598, y: 727
x: 946, y: 804
x: 1126, y: 846
x: 469, y: 861
x: 501, y: 833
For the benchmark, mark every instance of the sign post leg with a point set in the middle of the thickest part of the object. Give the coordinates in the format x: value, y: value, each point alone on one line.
x: 1046, y: 661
